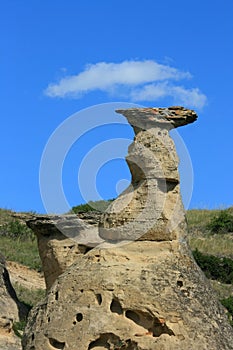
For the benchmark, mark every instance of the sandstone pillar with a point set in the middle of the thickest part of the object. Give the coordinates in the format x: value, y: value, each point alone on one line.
x: 151, y: 208
x: 147, y: 294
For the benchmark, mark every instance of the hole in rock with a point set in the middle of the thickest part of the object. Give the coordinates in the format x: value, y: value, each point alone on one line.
x: 88, y: 249
x: 152, y: 325
x: 32, y: 348
x: 99, y: 298
x: 106, y: 341
x: 56, y: 344
x: 167, y: 185
x: 33, y: 336
x: 116, y: 307
x: 179, y: 284
x: 56, y: 295
x: 48, y: 319
x: 132, y: 316
x: 159, y: 327
x: 171, y: 184
x: 79, y: 317
x: 84, y: 249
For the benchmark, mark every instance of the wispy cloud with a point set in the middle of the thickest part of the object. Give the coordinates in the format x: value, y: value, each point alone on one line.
x: 187, y: 97
x: 141, y: 80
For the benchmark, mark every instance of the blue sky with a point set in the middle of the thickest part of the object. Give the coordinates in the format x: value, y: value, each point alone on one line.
x: 59, y: 57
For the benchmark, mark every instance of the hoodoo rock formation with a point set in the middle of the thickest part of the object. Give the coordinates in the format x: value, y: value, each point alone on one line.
x: 140, y: 289
x: 151, y: 208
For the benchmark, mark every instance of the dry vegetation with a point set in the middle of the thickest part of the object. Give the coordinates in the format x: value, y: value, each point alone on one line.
x: 201, y: 238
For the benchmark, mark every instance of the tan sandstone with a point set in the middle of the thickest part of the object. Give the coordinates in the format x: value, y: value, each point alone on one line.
x: 61, y: 239
x: 145, y: 295
x: 140, y: 289
x: 151, y: 208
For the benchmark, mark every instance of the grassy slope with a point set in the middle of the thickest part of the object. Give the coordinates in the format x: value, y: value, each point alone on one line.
x: 199, y: 237
x: 20, y: 248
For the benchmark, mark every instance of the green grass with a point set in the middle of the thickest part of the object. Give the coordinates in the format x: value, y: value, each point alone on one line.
x: 219, y: 245
x: 17, y: 241
x: 201, y: 225
x: 228, y: 304
x: 221, y: 223
x: 18, y: 328
x: 23, y: 251
x: 215, y: 268
x: 5, y: 216
x: 201, y: 238
x: 200, y: 217
x: 27, y: 296
x: 100, y: 205
x: 222, y: 290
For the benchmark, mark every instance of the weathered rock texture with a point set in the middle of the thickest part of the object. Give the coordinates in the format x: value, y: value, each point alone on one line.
x: 151, y: 208
x: 145, y: 295
x: 148, y: 294
x: 60, y: 240
x: 11, y: 310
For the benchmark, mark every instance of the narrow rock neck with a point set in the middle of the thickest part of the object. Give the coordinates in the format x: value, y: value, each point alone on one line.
x: 151, y: 207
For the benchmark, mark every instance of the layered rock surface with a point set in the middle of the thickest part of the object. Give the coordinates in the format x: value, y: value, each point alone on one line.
x: 61, y: 238
x: 140, y: 289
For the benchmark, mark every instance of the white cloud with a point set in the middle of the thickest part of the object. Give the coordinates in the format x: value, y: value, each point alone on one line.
x: 179, y: 94
x: 150, y: 92
x: 187, y: 97
x: 143, y: 80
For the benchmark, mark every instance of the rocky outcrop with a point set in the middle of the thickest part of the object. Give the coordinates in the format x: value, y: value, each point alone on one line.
x: 140, y: 289
x: 145, y: 295
x: 151, y: 208
x: 61, y: 239
x: 11, y: 311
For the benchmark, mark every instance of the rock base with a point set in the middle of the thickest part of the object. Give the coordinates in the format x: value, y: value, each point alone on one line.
x: 153, y: 292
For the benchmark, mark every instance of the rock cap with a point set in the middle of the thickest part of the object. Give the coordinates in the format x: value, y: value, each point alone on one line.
x: 149, y: 117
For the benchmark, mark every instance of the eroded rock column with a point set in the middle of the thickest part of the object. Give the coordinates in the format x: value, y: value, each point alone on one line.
x: 151, y: 208
x: 148, y: 294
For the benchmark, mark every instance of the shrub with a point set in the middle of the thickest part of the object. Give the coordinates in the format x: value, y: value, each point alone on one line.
x: 92, y: 206
x: 18, y: 328
x: 82, y: 208
x: 220, y: 269
x: 222, y: 223
x: 17, y: 230
x: 228, y: 304
x: 23, y: 251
